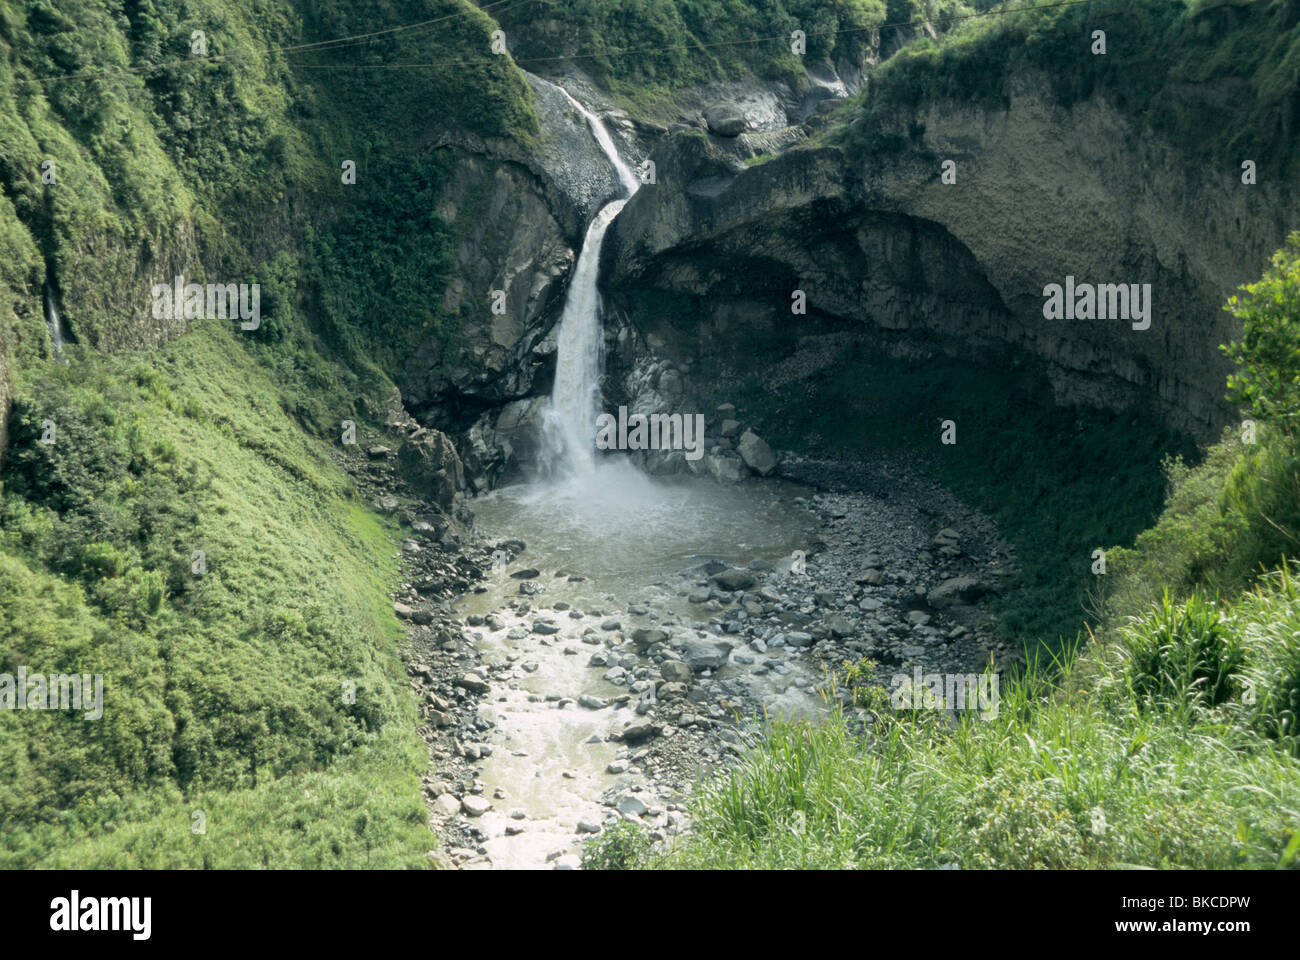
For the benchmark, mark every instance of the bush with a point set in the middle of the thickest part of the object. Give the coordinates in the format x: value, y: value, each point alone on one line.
x: 621, y: 847
x: 1269, y: 350
x: 1271, y: 629
x: 1182, y: 653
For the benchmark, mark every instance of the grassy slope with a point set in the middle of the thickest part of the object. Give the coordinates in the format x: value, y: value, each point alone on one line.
x: 224, y: 693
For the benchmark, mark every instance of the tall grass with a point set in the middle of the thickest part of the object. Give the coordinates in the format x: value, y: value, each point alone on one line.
x: 1119, y: 775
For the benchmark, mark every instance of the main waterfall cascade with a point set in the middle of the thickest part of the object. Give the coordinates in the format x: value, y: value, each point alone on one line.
x: 622, y: 539
x: 569, y: 426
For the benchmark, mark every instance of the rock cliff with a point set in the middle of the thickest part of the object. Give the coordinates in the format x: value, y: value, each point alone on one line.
x: 921, y: 267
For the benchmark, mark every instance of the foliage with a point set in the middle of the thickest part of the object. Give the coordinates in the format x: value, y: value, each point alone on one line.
x: 1160, y: 54
x: 218, y: 685
x: 621, y: 847
x: 1183, y: 652
x: 639, y: 47
x: 1268, y: 354
x: 1096, y: 780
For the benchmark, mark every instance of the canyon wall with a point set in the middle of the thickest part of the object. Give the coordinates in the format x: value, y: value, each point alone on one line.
x: 922, y: 267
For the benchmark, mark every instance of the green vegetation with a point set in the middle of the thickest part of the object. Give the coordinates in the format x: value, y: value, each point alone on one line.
x: 224, y: 691
x: 1238, y: 512
x: 618, y: 848
x: 640, y: 47
x: 1157, y: 53
x: 1094, y: 781
x: 228, y: 693
x: 1171, y: 740
x: 645, y: 50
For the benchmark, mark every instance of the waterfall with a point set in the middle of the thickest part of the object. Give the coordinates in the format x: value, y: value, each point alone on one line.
x: 53, y: 322
x: 569, y: 426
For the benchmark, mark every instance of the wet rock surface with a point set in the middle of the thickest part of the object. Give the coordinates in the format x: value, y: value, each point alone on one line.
x: 654, y: 694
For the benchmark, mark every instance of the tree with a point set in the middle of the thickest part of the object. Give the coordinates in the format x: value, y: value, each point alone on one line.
x: 1268, y: 353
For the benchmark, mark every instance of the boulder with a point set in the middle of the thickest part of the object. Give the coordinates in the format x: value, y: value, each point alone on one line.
x: 675, y: 671
x: 956, y: 590
x: 706, y: 654
x: 725, y: 469
x: 645, y: 637
x: 671, y: 691
x: 734, y: 579
x: 725, y: 119
x: 839, y: 627
x: 641, y: 731
x: 471, y: 683
x: 475, y: 806
x: 758, y: 456
x: 429, y: 463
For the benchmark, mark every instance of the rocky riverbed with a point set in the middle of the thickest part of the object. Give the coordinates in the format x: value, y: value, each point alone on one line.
x: 553, y: 708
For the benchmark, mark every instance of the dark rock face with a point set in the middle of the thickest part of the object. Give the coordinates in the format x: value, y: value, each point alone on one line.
x: 520, y: 216
x: 893, y: 259
x: 429, y: 463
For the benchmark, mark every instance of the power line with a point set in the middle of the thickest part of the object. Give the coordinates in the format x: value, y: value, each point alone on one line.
x: 337, y: 43
x: 696, y: 45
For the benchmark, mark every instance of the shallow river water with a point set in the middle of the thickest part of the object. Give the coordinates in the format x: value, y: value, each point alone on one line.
x: 630, y: 538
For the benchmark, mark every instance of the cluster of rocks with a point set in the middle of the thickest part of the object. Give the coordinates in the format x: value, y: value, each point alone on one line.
x: 893, y: 569
x: 732, y: 450
x: 409, y: 474
x: 901, y: 581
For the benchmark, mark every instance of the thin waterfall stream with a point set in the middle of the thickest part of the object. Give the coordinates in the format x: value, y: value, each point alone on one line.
x: 53, y: 323
x: 569, y: 428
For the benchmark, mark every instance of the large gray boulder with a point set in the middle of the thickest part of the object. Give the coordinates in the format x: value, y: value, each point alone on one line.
x: 957, y: 590
x: 733, y: 579
x: 758, y: 456
x: 706, y: 654
x: 646, y: 637
x: 725, y: 469
x: 675, y: 671
x: 725, y: 119
x: 429, y: 463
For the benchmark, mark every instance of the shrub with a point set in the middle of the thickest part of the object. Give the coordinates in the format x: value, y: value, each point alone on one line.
x: 1182, y: 653
x: 1271, y: 630
x: 1268, y: 354
x: 621, y: 847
